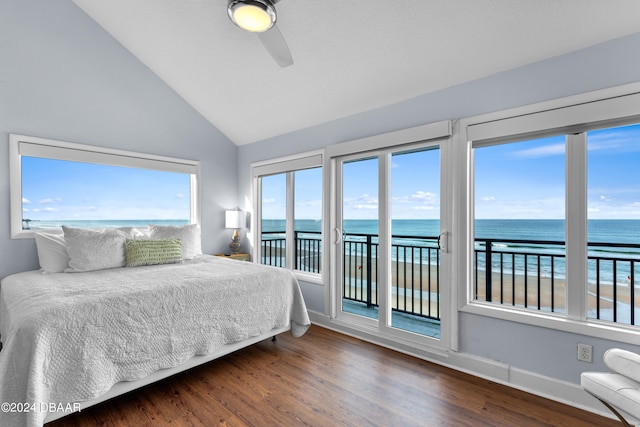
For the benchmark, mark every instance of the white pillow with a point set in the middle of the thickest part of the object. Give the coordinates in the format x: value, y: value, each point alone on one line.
x: 189, y: 236
x: 52, y: 252
x: 91, y: 249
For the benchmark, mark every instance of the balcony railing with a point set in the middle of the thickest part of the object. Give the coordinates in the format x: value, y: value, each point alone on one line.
x: 532, y: 274
x: 307, y: 250
x: 499, y: 266
x: 416, y: 272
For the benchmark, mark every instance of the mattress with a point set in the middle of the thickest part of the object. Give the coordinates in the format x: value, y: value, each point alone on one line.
x: 69, y: 337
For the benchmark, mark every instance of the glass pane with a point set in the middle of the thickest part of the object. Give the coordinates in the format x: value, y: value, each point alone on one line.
x: 87, y: 195
x: 415, y: 227
x: 273, y: 221
x: 308, y: 219
x: 519, y: 254
x: 614, y: 224
x: 360, y: 237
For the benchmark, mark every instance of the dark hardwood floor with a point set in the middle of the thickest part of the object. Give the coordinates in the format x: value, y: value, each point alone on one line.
x: 327, y: 379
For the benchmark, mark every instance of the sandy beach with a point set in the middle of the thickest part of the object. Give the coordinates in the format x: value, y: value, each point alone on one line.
x: 421, y: 282
x: 506, y: 289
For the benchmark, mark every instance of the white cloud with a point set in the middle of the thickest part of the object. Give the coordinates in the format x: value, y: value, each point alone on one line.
x: 363, y: 202
x: 488, y: 199
x: 419, y: 196
x: 25, y: 201
x: 363, y: 206
x: 50, y: 201
x: 545, y: 151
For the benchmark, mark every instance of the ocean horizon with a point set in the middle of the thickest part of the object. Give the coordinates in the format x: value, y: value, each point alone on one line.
x: 599, y: 230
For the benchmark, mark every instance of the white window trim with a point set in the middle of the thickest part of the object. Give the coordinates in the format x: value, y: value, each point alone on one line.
x: 20, y: 145
x: 292, y: 163
x: 383, y: 145
x: 566, y: 115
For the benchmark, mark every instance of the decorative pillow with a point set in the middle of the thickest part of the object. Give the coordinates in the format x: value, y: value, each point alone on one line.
x: 91, y: 249
x: 189, y: 236
x: 52, y: 252
x: 153, y: 252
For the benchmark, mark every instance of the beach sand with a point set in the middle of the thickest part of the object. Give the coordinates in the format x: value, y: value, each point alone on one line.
x: 506, y: 289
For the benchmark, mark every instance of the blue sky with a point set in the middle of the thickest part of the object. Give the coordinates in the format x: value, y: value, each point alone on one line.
x: 527, y: 180
x: 415, y: 187
x: 516, y: 181
x: 415, y: 183
x: 63, y: 190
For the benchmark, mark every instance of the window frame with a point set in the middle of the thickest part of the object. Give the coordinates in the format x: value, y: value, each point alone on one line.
x: 382, y: 147
x: 20, y: 145
x: 288, y: 165
x: 572, y: 116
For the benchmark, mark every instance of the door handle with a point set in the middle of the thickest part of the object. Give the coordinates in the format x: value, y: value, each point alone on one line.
x: 443, y: 242
x: 338, y: 235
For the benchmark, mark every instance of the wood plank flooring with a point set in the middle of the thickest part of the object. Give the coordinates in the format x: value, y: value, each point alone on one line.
x: 327, y: 379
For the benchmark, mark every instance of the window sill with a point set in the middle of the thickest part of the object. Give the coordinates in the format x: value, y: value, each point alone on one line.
x: 588, y: 327
x: 315, y: 279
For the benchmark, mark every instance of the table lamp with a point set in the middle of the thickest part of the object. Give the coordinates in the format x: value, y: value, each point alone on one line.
x: 235, y: 220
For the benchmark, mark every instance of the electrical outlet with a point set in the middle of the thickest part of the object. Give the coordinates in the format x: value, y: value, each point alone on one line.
x: 585, y: 352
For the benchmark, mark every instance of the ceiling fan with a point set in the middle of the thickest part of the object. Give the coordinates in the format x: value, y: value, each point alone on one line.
x: 259, y: 16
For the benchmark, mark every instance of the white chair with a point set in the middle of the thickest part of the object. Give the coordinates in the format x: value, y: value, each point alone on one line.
x: 618, y: 390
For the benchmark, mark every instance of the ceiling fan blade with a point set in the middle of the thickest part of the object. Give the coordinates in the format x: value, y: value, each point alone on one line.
x: 277, y: 46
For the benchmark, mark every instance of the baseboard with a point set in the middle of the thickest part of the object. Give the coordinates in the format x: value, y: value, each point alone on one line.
x: 551, y: 388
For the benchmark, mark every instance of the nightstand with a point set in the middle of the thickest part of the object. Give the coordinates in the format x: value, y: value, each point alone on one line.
x: 239, y: 257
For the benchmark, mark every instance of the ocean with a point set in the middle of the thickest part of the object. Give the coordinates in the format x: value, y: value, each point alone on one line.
x: 602, y: 231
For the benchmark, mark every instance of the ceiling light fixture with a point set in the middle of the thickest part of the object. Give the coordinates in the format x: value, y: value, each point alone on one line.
x: 256, y: 16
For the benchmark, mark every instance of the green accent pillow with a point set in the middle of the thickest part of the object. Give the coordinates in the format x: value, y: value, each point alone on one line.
x: 153, y: 252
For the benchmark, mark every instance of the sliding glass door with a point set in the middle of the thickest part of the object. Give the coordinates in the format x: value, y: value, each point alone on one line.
x: 388, y: 258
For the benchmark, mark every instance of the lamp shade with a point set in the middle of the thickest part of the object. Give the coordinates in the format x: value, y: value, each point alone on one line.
x: 234, y: 219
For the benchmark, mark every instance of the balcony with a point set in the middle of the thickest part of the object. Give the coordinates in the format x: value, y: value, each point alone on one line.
x: 613, y: 272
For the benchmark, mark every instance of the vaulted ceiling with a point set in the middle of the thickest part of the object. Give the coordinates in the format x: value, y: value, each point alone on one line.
x: 349, y: 56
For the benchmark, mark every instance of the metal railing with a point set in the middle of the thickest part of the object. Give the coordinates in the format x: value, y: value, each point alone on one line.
x: 307, y: 250
x: 416, y: 272
x: 499, y: 267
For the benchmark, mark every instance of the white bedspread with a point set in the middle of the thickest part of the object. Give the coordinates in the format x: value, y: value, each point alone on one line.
x: 69, y: 337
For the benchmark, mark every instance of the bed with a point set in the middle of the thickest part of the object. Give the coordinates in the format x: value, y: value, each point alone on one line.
x: 71, y: 340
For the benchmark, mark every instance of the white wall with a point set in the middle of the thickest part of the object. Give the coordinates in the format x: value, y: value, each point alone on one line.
x: 538, y: 351
x: 63, y: 77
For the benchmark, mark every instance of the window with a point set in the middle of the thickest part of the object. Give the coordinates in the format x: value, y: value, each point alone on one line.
x: 613, y: 206
x: 554, y: 219
x: 519, y: 226
x: 55, y: 183
x: 289, y: 221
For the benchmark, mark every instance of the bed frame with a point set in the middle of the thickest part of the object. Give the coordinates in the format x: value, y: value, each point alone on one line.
x: 127, y: 386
